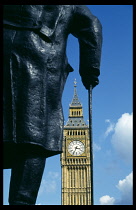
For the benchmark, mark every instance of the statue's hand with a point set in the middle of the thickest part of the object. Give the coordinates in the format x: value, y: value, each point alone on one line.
x: 90, y: 80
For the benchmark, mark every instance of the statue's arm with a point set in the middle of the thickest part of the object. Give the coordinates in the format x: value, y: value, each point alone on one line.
x: 88, y: 29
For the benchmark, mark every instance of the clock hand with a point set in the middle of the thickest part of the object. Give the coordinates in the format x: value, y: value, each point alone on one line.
x: 75, y: 149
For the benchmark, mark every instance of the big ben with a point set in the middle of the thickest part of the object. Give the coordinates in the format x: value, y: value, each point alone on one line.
x: 75, y: 159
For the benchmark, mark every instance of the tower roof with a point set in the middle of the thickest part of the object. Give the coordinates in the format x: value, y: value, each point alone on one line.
x: 75, y: 101
x: 76, y: 122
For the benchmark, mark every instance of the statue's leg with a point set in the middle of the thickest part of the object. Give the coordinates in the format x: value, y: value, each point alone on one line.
x: 26, y: 178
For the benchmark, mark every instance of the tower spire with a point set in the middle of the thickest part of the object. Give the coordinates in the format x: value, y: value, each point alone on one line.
x: 75, y: 82
x: 75, y: 111
x: 75, y: 100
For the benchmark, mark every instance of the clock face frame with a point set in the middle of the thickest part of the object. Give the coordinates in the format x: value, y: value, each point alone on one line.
x: 76, y: 148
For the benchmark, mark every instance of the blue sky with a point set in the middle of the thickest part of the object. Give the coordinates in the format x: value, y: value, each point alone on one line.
x: 112, y: 114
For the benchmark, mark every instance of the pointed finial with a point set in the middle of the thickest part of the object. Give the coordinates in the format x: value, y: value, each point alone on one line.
x: 75, y: 82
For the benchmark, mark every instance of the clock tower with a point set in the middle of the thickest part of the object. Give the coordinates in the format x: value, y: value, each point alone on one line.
x: 75, y: 159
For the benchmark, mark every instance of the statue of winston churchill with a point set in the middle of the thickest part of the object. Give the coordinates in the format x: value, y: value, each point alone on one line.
x: 35, y: 71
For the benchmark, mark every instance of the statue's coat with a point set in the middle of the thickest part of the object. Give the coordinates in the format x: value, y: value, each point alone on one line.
x: 36, y: 68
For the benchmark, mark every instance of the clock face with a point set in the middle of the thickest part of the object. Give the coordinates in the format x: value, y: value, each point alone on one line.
x: 76, y: 148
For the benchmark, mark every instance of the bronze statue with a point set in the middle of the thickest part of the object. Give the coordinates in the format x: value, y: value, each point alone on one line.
x: 35, y: 72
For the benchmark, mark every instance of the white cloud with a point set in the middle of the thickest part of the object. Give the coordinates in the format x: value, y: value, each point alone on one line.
x: 107, y: 200
x: 110, y: 128
x: 122, y: 137
x: 125, y: 187
x: 96, y: 147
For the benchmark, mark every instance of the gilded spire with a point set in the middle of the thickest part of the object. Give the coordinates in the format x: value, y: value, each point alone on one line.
x: 75, y: 82
x: 75, y: 111
x: 75, y: 101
